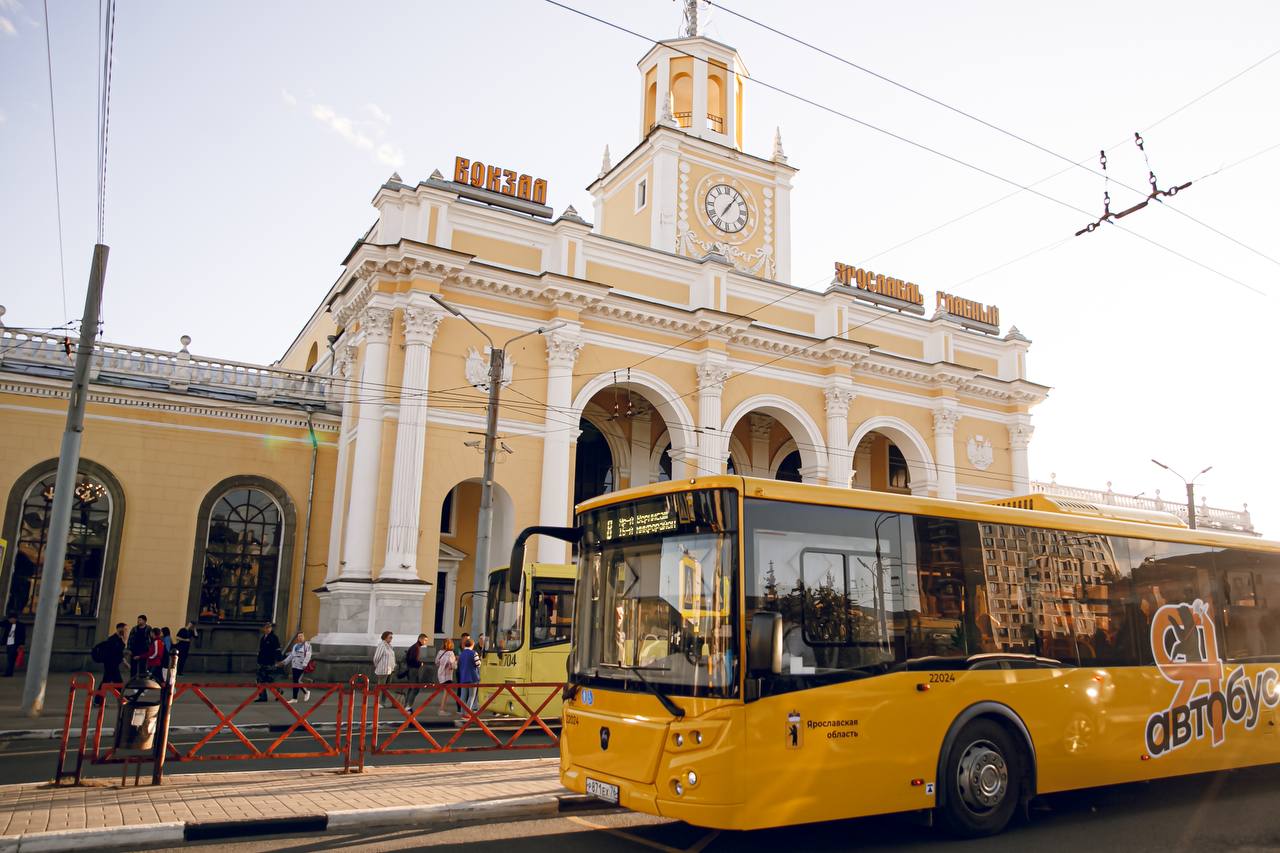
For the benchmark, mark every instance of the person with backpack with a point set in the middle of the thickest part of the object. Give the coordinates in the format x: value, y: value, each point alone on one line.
x: 298, y: 659
x: 469, y: 672
x: 446, y: 666
x: 413, y: 666
x: 139, y: 644
x: 110, y: 654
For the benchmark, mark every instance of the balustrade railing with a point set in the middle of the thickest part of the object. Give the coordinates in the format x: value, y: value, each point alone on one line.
x: 1218, y: 518
x: 23, y: 350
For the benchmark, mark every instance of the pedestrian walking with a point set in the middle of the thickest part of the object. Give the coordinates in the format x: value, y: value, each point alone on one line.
x: 413, y: 666
x: 297, y: 659
x: 110, y: 654
x: 168, y: 640
x: 469, y: 672
x: 185, y: 637
x: 139, y: 644
x: 446, y: 666
x: 384, y: 664
x: 15, y: 640
x: 155, y: 659
x: 268, y: 656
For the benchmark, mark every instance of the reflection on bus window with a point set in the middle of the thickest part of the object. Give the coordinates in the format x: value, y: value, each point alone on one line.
x: 552, y: 612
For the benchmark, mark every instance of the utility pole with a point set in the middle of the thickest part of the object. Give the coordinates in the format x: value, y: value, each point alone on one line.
x: 484, y: 520
x: 63, y: 492
x: 1191, y: 491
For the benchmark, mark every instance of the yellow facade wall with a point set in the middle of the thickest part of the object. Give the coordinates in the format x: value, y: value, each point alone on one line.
x: 495, y: 251
x: 166, y: 464
x: 638, y: 283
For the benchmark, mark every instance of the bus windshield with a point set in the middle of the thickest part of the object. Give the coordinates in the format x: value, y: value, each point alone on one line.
x: 657, y: 593
x: 505, y: 618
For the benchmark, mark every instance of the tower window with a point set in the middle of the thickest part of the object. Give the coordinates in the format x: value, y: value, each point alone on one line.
x: 642, y: 193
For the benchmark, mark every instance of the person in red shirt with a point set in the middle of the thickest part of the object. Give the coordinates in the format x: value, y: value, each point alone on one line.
x: 155, y: 655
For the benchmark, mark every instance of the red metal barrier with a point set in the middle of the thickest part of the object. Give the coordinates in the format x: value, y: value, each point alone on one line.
x: 406, y: 718
x: 355, y: 735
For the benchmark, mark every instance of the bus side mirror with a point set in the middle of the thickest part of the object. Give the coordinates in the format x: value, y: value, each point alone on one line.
x: 764, y: 644
x: 462, y: 613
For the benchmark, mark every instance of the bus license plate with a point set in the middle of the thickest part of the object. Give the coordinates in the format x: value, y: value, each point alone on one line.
x: 602, y: 790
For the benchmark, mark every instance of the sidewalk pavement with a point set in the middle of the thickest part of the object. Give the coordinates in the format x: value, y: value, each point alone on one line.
x: 234, y: 804
x: 189, y: 713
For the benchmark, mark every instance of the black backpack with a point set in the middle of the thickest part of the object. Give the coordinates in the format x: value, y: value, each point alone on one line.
x: 99, y: 652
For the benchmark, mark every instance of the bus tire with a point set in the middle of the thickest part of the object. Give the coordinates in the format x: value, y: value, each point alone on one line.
x: 982, y: 777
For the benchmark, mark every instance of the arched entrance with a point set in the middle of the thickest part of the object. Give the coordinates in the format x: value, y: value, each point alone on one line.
x: 890, y: 456
x: 770, y: 436
x: 635, y: 430
x: 455, y: 559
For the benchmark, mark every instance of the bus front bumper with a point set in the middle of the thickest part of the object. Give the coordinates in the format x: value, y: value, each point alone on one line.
x: 644, y: 798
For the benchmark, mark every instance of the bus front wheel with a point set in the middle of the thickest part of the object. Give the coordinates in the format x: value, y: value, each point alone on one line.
x: 982, y: 779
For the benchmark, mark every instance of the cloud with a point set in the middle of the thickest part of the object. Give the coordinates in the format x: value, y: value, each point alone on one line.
x: 378, y: 113
x: 7, y: 27
x: 391, y: 155
x: 342, y: 126
x: 288, y: 97
x: 3, y: 117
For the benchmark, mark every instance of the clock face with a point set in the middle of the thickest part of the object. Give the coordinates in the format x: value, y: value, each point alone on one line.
x: 726, y: 208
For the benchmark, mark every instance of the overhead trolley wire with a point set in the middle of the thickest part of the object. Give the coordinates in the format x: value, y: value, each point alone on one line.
x: 913, y: 143
x: 997, y: 128
x: 57, y: 180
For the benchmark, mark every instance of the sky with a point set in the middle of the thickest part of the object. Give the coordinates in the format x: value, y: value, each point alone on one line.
x: 247, y: 140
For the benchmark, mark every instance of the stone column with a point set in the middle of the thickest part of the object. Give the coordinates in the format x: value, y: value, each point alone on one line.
x: 563, y: 346
x: 357, y: 551
x: 944, y: 439
x: 713, y: 445
x: 839, y: 394
x: 341, y: 375
x: 761, y: 428
x: 411, y: 436
x: 1019, y: 440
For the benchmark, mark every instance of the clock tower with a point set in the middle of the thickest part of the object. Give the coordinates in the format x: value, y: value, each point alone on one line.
x: 688, y: 187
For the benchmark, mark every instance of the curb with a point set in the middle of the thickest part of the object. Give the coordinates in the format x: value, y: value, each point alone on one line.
x: 439, y: 816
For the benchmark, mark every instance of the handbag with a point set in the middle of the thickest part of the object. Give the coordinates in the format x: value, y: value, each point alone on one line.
x: 310, y: 667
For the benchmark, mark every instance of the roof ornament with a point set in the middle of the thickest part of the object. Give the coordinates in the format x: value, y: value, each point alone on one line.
x: 689, y: 19
x: 779, y: 156
x: 605, y: 165
x: 436, y: 176
x: 395, y: 178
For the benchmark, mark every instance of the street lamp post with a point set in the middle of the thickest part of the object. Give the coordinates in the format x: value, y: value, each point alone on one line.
x: 1191, y: 491
x: 484, y: 520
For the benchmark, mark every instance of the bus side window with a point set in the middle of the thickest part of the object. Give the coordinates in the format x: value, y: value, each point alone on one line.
x: 1250, y: 584
x: 1170, y: 573
x: 552, y: 611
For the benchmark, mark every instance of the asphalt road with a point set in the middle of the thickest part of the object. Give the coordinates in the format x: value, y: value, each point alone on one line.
x: 35, y: 760
x: 1230, y: 811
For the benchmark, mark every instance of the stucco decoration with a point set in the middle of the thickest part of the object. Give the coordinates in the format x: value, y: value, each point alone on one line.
x: 476, y: 368
x: 981, y: 453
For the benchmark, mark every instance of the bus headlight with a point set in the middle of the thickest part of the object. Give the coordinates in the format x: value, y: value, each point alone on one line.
x: 679, y: 739
x: 693, y: 778
x: 677, y: 787
x: 697, y: 738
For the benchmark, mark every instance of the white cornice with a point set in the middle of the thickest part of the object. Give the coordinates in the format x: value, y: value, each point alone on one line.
x: 173, y: 404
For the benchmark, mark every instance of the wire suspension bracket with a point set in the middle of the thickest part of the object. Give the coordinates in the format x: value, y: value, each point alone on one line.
x: 1156, y: 193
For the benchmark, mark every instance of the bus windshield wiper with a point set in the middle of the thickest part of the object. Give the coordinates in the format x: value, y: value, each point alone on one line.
x: 672, y: 708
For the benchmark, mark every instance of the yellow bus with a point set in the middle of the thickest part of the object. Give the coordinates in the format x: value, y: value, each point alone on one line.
x: 527, y: 634
x: 753, y: 653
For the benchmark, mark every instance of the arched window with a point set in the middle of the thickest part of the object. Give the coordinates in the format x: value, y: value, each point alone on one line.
x: 241, y: 572
x: 86, y: 557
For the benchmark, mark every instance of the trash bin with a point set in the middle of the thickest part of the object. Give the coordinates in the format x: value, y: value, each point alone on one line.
x: 139, y: 714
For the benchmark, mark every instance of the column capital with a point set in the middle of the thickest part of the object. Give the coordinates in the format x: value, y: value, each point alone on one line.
x: 945, y: 420
x: 1020, y: 436
x: 420, y: 324
x: 376, y: 323
x: 711, y: 377
x: 838, y: 397
x: 563, y: 347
